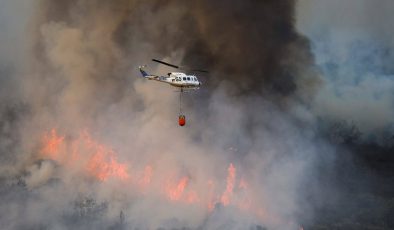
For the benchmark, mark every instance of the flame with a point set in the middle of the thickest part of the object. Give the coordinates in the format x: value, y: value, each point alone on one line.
x: 101, y: 162
x: 182, y: 192
x: 98, y: 160
x: 211, y: 195
x: 230, y: 185
x: 52, y: 145
x: 175, y: 192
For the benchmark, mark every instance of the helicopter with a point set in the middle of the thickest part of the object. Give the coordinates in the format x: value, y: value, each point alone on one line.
x: 177, y: 79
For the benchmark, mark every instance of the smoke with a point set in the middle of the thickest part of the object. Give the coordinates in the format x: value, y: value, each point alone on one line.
x: 353, y: 45
x: 256, y: 113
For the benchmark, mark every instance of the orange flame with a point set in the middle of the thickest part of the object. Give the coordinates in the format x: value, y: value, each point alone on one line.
x: 101, y: 162
x: 225, y: 199
x: 211, y: 195
x: 52, y: 144
x: 175, y: 193
x: 182, y: 192
x: 98, y: 160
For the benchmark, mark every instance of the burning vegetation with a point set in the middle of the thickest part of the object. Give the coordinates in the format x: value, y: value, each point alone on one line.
x: 90, y: 159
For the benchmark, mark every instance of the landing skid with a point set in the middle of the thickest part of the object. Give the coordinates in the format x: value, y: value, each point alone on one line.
x: 185, y: 90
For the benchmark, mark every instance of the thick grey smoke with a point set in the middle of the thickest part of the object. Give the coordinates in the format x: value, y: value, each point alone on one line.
x: 251, y: 44
x: 353, y: 44
x: 82, y: 78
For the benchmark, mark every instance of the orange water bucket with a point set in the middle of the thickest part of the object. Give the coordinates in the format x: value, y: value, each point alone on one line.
x: 182, y: 120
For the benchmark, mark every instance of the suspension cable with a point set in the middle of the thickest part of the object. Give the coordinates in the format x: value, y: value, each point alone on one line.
x: 180, y: 101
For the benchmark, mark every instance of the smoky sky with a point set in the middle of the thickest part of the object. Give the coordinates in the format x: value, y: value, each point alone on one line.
x: 353, y: 45
x: 252, y: 45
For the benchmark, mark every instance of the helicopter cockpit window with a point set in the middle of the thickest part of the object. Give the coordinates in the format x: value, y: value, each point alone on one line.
x: 184, y: 78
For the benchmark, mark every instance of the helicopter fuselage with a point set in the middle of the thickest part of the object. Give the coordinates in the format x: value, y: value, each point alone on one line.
x: 183, y: 80
x: 176, y: 79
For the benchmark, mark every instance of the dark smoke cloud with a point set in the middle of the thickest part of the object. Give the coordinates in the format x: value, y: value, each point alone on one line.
x: 252, y: 45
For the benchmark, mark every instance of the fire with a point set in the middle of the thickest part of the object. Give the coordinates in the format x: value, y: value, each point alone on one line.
x: 52, y: 143
x: 182, y: 192
x: 101, y: 162
x: 175, y: 193
x: 211, y: 195
x: 97, y: 160
x: 230, y: 185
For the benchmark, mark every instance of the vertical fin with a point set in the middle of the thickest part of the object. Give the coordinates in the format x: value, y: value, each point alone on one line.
x: 144, y: 74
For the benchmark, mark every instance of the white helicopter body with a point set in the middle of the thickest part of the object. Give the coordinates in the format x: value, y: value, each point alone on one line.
x: 176, y: 79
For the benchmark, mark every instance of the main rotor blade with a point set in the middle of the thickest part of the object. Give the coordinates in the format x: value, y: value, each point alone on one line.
x: 165, y: 63
x: 199, y: 70
x: 178, y: 67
